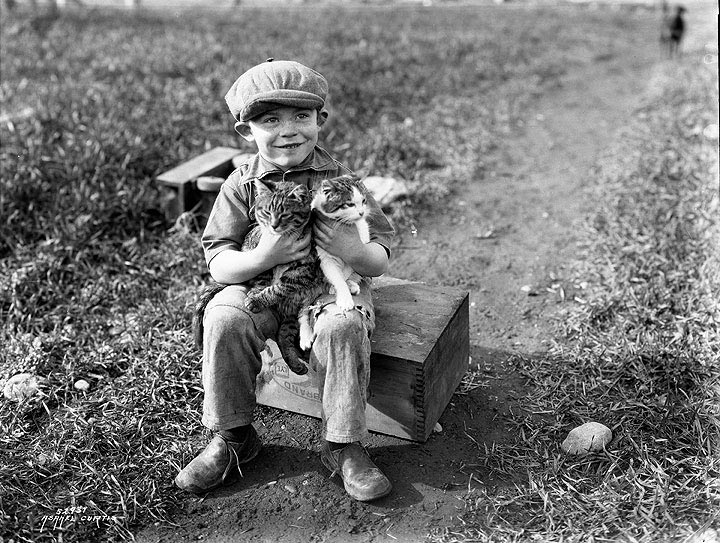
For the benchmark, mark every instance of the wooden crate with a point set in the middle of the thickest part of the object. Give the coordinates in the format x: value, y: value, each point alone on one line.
x: 179, y: 187
x: 420, y: 352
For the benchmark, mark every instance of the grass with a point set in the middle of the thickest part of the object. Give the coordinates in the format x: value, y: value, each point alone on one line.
x: 639, y: 355
x: 97, y: 286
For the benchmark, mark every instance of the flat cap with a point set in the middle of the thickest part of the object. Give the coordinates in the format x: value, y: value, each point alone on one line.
x: 283, y: 82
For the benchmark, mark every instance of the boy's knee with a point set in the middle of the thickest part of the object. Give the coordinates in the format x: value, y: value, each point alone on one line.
x: 226, y: 314
x: 336, y: 323
x: 221, y: 320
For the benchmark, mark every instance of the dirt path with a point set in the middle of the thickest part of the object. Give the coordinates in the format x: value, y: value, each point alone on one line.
x: 518, y: 224
x: 518, y: 227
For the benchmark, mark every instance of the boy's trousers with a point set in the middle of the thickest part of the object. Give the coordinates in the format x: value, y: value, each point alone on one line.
x: 234, y: 340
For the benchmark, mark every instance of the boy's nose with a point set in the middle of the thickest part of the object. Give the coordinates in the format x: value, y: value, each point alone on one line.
x: 288, y: 128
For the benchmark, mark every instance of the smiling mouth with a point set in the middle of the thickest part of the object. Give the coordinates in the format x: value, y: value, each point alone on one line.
x: 289, y: 146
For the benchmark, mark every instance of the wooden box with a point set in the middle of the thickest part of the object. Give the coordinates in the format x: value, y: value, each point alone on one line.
x: 180, y: 189
x: 420, y: 353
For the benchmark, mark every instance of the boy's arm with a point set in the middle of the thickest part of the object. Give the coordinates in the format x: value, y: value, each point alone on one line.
x: 343, y: 241
x: 232, y: 266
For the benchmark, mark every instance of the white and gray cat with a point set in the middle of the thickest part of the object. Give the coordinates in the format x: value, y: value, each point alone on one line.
x: 341, y: 199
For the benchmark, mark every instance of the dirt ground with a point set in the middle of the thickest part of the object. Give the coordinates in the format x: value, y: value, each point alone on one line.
x: 518, y: 227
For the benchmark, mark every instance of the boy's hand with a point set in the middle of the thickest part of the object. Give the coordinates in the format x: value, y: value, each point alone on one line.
x: 340, y: 240
x: 276, y: 250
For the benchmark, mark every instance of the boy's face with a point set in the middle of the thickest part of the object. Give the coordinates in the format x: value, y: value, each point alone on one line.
x: 285, y: 135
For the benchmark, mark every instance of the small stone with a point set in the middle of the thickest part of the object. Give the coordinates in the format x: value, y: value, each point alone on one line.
x: 438, y: 428
x: 529, y: 290
x: 81, y: 384
x: 21, y: 386
x: 589, y: 437
x: 291, y: 489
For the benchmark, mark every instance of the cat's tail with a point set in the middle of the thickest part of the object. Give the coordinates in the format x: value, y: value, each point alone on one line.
x: 207, y: 294
x: 287, y: 341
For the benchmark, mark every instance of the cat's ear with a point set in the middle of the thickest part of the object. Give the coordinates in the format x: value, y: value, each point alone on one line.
x: 264, y: 187
x: 361, y: 186
x: 326, y: 186
x: 300, y: 193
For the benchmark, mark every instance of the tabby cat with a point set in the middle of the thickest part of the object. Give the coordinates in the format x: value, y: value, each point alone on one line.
x: 342, y: 199
x: 281, y: 208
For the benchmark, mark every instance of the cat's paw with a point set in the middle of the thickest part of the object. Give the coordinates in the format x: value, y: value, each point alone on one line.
x: 344, y: 302
x: 353, y: 286
x: 306, y: 341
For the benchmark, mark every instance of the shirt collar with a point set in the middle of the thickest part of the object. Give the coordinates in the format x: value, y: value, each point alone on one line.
x: 318, y: 160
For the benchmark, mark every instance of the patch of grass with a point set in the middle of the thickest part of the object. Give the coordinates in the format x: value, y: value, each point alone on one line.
x: 97, y: 287
x: 640, y: 355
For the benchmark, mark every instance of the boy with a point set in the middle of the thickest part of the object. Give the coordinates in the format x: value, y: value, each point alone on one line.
x: 279, y: 105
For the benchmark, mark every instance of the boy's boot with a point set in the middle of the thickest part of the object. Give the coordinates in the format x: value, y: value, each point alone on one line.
x: 363, y: 480
x: 219, y: 463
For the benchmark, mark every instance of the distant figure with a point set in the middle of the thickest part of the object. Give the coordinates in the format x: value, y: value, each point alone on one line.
x: 672, y: 30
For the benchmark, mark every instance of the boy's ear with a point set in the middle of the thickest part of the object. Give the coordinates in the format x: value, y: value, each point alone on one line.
x: 244, y: 130
x: 322, y: 117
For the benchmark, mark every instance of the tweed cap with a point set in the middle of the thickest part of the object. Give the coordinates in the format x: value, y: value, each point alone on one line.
x: 283, y: 82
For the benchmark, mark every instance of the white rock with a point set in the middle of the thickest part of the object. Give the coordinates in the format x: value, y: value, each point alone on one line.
x: 82, y: 384
x: 590, y: 437
x: 438, y: 427
x: 386, y: 189
x: 21, y: 386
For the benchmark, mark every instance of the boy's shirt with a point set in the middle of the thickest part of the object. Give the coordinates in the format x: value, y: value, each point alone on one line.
x: 232, y: 216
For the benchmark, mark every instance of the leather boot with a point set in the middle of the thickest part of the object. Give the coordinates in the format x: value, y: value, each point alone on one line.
x: 363, y: 480
x: 219, y: 463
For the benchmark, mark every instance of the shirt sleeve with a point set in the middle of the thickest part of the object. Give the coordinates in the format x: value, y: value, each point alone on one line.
x: 229, y: 219
x: 381, y: 231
